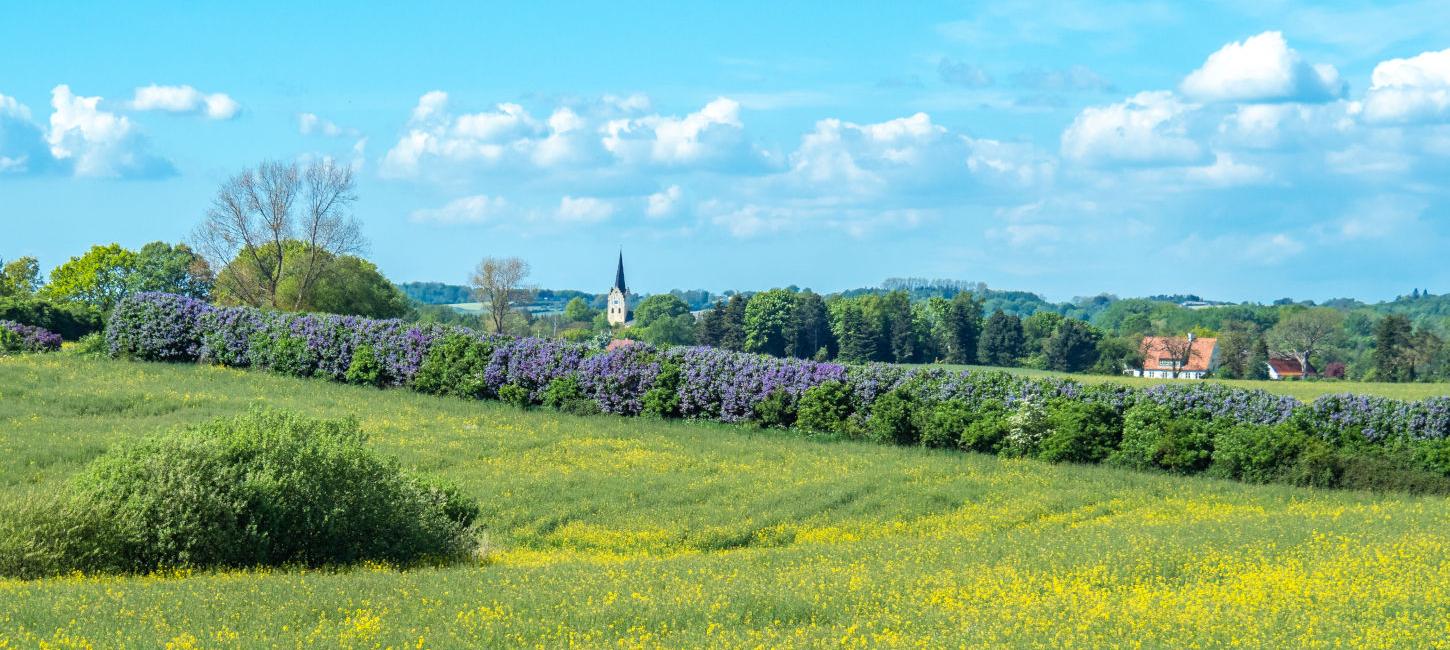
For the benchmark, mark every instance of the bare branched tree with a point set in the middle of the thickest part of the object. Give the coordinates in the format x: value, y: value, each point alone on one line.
x: 255, y: 215
x: 499, y: 283
x: 1177, y: 350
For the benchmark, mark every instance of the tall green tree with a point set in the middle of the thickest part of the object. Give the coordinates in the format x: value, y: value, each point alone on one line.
x: 1236, y: 348
x: 349, y: 285
x: 810, y: 334
x: 856, y: 335
x: 578, y: 311
x: 171, y: 269
x: 1072, y: 347
x: 660, y: 305
x: 768, y: 319
x: 19, y: 277
x: 711, y: 325
x: 964, y: 328
x: 732, y: 323
x: 1002, y: 340
x: 100, y: 278
x: 900, y: 327
x: 1393, y: 341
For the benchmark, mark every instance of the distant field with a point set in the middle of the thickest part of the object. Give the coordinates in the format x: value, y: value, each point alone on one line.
x: 638, y: 533
x: 1302, y: 390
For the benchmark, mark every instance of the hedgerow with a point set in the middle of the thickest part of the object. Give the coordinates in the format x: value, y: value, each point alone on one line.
x: 1170, y: 427
x: 16, y: 337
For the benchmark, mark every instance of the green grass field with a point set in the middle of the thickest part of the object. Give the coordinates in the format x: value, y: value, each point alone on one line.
x: 1301, y: 390
x: 619, y: 532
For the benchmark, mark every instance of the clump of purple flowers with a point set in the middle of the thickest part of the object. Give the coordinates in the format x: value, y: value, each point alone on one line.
x: 27, y: 338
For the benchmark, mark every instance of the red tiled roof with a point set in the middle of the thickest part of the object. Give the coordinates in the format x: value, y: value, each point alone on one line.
x: 619, y: 343
x: 1198, y: 357
x: 1287, y: 367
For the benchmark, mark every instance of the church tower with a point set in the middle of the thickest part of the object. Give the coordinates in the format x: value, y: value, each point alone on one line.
x: 619, y: 296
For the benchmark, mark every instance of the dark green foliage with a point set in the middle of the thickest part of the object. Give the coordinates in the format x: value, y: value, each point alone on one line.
x: 1080, y: 432
x: 768, y: 319
x: 71, y: 320
x: 825, y: 408
x: 454, y: 366
x: 515, y: 394
x: 1002, y: 342
x: 858, y: 339
x: 561, y: 391
x: 1072, y: 347
x: 810, y: 328
x: 891, y: 418
x: 268, y: 488
x: 659, y: 306
x: 1153, y: 438
x: 987, y: 430
x: 942, y: 424
x: 663, y: 399
x: 776, y: 410
x: 964, y: 328
x: 1393, y: 349
x: 732, y: 323
x: 282, y: 353
x: 903, y: 338
x: 365, y: 368
x: 1258, y: 454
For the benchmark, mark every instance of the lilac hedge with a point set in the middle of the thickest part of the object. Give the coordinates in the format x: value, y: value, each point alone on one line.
x: 697, y: 383
x: 18, y: 337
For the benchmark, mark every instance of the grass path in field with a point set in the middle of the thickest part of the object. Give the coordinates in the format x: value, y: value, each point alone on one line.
x: 612, y: 531
x: 1302, y: 390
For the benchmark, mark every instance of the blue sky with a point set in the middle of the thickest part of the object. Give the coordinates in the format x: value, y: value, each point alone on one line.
x: 1239, y: 150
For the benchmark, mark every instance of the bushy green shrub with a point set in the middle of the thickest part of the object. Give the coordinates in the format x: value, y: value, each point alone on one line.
x: 90, y: 345
x: 283, y: 353
x: 1155, y: 438
x: 366, y: 369
x: 1257, y: 453
x: 267, y: 488
x: 663, y: 399
x: 455, y: 366
x: 71, y: 320
x: 942, y: 424
x: 515, y: 394
x: 776, y: 410
x: 891, y: 418
x: 1387, y: 470
x: 1434, y: 455
x: 1080, y: 432
x: 825, y: 408
x: 987, y: 430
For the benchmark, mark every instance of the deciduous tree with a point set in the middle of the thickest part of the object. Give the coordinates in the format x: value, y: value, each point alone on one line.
x: 499, y: 284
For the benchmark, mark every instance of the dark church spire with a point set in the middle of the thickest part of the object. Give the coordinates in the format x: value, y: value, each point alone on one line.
x: 619, y: 275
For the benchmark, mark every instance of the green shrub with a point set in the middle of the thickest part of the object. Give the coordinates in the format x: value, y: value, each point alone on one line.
x: 455, y: 366
x: 776, y: 410
x: 9, y: 341
x: 1387, y: 470
x: 663, y: 399
x: 1080, y: 432
x: 891, y: 418
x: 512, y: 393
x: 1434, y: 455
x: 1317, y: 465
x: 90, y: 345
x: 365, y: 369
x: 283, y: 353
x: 825, y: 408
x: 1154, y: 438
x: 268, y: 488
x: 942, y: 424
x: 1256, y: 453
x: 987, y: 430
x: 561, y: 391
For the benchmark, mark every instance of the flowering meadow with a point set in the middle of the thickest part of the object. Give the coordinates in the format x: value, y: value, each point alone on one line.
x: 1255, y: 435
x: 643, y: 533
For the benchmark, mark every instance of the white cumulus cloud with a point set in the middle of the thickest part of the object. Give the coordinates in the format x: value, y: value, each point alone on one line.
x: 22, y: 142
x: 1262, y: 68
x: 584, y: 209
x: 97, y: 142
x: 185, y: 99
x: 469, y: 209
x: 663, y: 202
x: 1416, y: 89
x: 1147, y: 128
